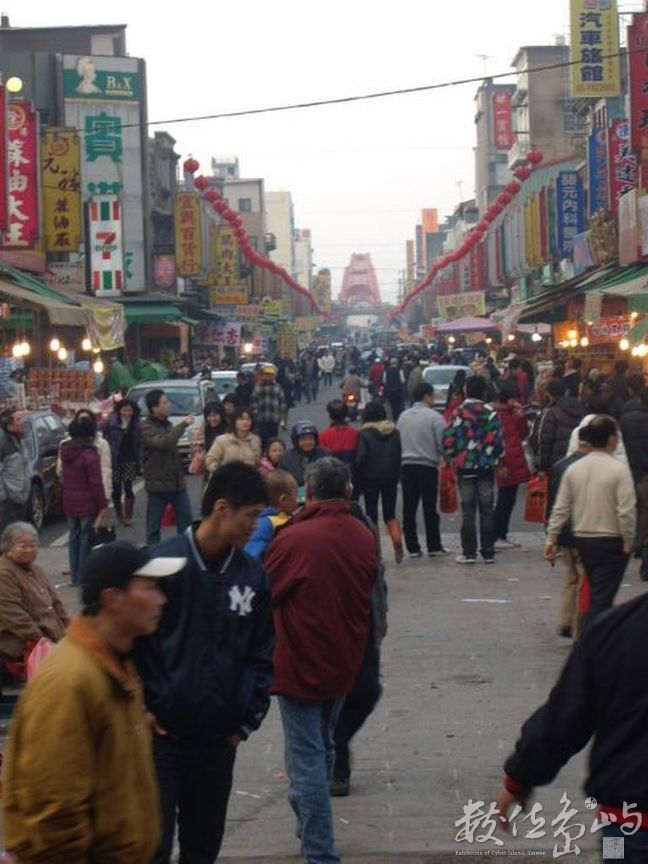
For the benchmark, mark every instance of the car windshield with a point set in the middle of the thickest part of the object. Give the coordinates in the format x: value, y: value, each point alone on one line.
x: 225, y: 385
x: 441, y: 376
x: 184, y: 400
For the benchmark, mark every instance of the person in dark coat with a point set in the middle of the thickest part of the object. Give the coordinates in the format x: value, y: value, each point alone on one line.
x: 377, y: 469
x: 394, y: 381
x: 561, y: 416
x: 513, y: 469
x: 634, y: 428
x: 306, y: 449
x: 121, y: 430
x: 84, y: 498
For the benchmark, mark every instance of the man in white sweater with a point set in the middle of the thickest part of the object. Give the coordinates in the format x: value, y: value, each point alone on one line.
x: 597, y: 494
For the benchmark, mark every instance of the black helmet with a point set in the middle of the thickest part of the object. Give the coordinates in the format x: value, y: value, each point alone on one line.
x: 303, y: 427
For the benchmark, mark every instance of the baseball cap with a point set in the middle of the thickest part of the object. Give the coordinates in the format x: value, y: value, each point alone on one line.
x: 113, y: 565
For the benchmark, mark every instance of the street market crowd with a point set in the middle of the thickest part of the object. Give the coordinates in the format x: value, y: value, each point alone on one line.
x: 279, y: 589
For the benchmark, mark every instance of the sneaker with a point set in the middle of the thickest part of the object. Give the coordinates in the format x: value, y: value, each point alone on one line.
x: 415, y: 554
x: 565, y: 631
x: 437, y: 553
x: 340, y: 787
x: 464, y: 559
x: 489, y: 559
x: 503, y: 543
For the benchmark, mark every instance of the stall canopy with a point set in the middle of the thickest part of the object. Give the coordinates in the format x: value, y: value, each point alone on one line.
x: 60, y: 314
x: 152, y: 313
x: 468, y: 324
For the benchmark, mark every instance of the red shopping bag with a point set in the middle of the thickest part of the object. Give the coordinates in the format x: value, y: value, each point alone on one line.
x: 448, y: 490
x: 168, y: 517
x: 42, y: 649
x: 535, y: 507
x: 197, y: 464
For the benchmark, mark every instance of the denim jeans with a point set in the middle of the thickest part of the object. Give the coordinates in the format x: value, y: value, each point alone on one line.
x: 79, y: 544
x: 309, y: 756
x: 635, y: 846
x: 476, y: 491
x: 155, y: 505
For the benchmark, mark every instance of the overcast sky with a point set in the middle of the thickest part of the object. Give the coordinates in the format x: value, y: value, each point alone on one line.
x: 359, y: 173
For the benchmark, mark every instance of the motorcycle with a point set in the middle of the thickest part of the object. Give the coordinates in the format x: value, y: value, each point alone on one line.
x: 351, y: 402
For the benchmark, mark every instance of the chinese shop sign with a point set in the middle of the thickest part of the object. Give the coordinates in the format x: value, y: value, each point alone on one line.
x: 61, y: 182
x: 595, y: 48
x: 188, y: 234
x: 22, y: 227
x: 570, y: 202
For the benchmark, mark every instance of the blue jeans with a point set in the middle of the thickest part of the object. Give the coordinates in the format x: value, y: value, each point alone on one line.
x: 635, y: 846
x: 309, y: 755
x: 79, y: 544
x: 476, y: 491
x: 155, y: 505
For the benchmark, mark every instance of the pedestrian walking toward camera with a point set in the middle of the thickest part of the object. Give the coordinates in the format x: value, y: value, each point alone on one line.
x: 207, y: 671
x: 598, y: 494
x: 78, y: 781
x: 421, y: 433
x: 473, y: 441
x: 84, y: 497
x: 326, y: 365
x: 322, y: 570
x: 164, y: 476
x: 268, y: 404
x: 15, y: 480
x: 241, y: 445
x: 513, y: 469
x: 122, y: 433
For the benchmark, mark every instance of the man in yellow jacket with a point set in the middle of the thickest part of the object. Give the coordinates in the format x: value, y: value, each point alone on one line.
x: 78, y: 781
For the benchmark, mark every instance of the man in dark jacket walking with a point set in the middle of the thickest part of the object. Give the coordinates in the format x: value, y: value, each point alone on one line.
x: 207, y: 671
x: 322, y: 570
x: 634, y: 428
x: 561, y: 416
x: 164, y: 477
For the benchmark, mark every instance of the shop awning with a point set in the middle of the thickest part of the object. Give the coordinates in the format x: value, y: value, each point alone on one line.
x: 152, y: 313
x: 639, y: 332
x: 544, y: 304
x: 632, y: 281
x: 468, y: 324
x: 58, y: 313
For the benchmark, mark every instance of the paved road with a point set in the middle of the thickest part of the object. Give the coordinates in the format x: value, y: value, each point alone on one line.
x: 470, y: 652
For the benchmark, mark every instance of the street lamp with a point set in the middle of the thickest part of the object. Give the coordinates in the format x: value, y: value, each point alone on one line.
x: 86, y: 345
x: 55, y: 344
x: 14, y: 85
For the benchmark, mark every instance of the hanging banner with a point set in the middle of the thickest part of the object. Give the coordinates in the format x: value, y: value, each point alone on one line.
x: 478, y: 267
x: 188, y: 234
x: 593, y: 306
x: 4, y: 186
x: 595, y: 48
x: 638, y: 86
x: 106, y: 249
x: 642, y: 212
x: 570, y: 200
x: 106, y: 326
x: 232, y: 334
x: 609, y: 329
x: 503, y: 137
x: 622, y: 162
x: 628, y: 229
x: 583, y: 258
x: 598, y: 171
x: 61, y: 183
x: 453, y: 306
x: 228, y: 289
x: 22, y: 162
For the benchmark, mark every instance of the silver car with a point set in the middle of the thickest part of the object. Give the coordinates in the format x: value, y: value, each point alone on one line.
x: 441, y: 377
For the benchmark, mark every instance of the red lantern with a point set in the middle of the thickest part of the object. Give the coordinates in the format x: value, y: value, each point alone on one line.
x: 190, y: 165
x: 535, y: 157
x: 220, y: 206
x: 523, y: 172
x: 504, y: 198
x: 482, y: 226
x: 201, y: 183
x: 211, y: 195
x: 513, y: 187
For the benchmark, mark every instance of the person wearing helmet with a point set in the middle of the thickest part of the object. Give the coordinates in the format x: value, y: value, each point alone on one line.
x: 305, y: 449
x: 268, y: 404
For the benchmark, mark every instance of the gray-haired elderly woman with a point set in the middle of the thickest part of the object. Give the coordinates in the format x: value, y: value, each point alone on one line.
x: 29, y: 606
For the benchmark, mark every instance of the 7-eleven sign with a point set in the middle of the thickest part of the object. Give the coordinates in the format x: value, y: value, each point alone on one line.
x: 106, y: 250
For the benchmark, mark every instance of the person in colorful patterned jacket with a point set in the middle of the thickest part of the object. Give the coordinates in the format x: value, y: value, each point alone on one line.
x: 473, y: 440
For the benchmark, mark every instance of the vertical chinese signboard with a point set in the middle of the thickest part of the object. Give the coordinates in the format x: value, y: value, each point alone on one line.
x: 22, y: 162
x: 4, y: 214
x: 598, y: 169
x: 104, y: 100
x: 503, y: 137
x: 570, y: 202
x: 638, y: 65
x: 227, y: 289
x: 105, y: 243
x: 61, y: 184
x: 188, y: 234
x: 622, y: 162
x: 595, y: 48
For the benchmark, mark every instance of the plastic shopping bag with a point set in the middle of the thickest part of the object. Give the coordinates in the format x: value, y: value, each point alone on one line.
x: 535, y: 508
x: 42, y: 649
x: 448, y: 490
x: 197, y: 464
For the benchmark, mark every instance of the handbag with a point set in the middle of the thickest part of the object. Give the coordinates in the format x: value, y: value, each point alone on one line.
x: 448, y: 490
x: 102, y: 532
x: 197, y: 464
x: 535, y: 506
x: 42, y: 649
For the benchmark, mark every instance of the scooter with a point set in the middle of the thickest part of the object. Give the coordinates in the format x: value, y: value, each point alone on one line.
x: 351, y: 402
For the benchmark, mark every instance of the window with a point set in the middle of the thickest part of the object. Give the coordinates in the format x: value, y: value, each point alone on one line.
x: 245, y: 205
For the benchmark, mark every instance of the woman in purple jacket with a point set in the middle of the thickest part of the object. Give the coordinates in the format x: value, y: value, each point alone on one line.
x: 83, y: 491
x: 122, y: 432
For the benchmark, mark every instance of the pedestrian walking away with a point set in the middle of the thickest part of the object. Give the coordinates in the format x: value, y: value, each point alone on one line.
x: 207, y: 671
x: 421, y: 433
x: 340, y: 438
x: 322, y: 570
x: 93, y: 796
x: 15, y: 480
x: 394, y: 381
x: 164, y: 476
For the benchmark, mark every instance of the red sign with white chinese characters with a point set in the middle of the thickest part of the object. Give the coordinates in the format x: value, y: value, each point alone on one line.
x: 622, y: 162
x: 478, y: 267
x: 638, y: 64
x: 22, y: 164
x: 3, y: 159
x: 609, y: 329
x: 503, y: 137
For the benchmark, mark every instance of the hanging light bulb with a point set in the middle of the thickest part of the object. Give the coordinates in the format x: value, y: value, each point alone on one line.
x: 25, y: 347
x: 86, y: 345
x: 96, y: 350
x: 584, y: 342
x: 511, y: 337
x: 451, y: 340
x: 624, y: 344
x: 635, y: 351
x: 98, y: 366
x: 573, y: 343
x: 16, y: 351
x: 536, y: 337
x: 55, y: 344
x: 62, y: 354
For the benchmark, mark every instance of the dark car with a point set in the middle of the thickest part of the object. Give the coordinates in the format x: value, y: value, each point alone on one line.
x: 43, y: 433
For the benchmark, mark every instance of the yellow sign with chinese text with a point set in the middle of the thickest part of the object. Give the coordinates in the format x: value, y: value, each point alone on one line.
x: 188, y: 238
x: 227, y: 289
x: 595, y: 48
x: 61, y: 181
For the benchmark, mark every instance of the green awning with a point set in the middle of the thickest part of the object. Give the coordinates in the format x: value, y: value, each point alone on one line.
x: 631, y: 280
x: 31, y: 283
x: 639, y: 332
x: 19, y: 319
x: 152, y: 313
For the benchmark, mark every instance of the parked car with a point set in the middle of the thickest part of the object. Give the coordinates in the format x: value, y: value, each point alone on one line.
x: 187, y: 396
x: 43, y: 433
x: 441, y: 377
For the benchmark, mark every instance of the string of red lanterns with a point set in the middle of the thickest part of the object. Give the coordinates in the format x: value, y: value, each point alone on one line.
x: 476, y: 235
x: 212, y: 195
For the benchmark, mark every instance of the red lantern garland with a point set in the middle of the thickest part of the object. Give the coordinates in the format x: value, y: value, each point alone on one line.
x: 535, y: 157
x: 513, y: 187
x: 523, y: 172
x: 190, y: 165
x: 201, y: 183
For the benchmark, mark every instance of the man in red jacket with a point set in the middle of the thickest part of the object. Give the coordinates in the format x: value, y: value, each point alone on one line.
x: 322, y: 569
